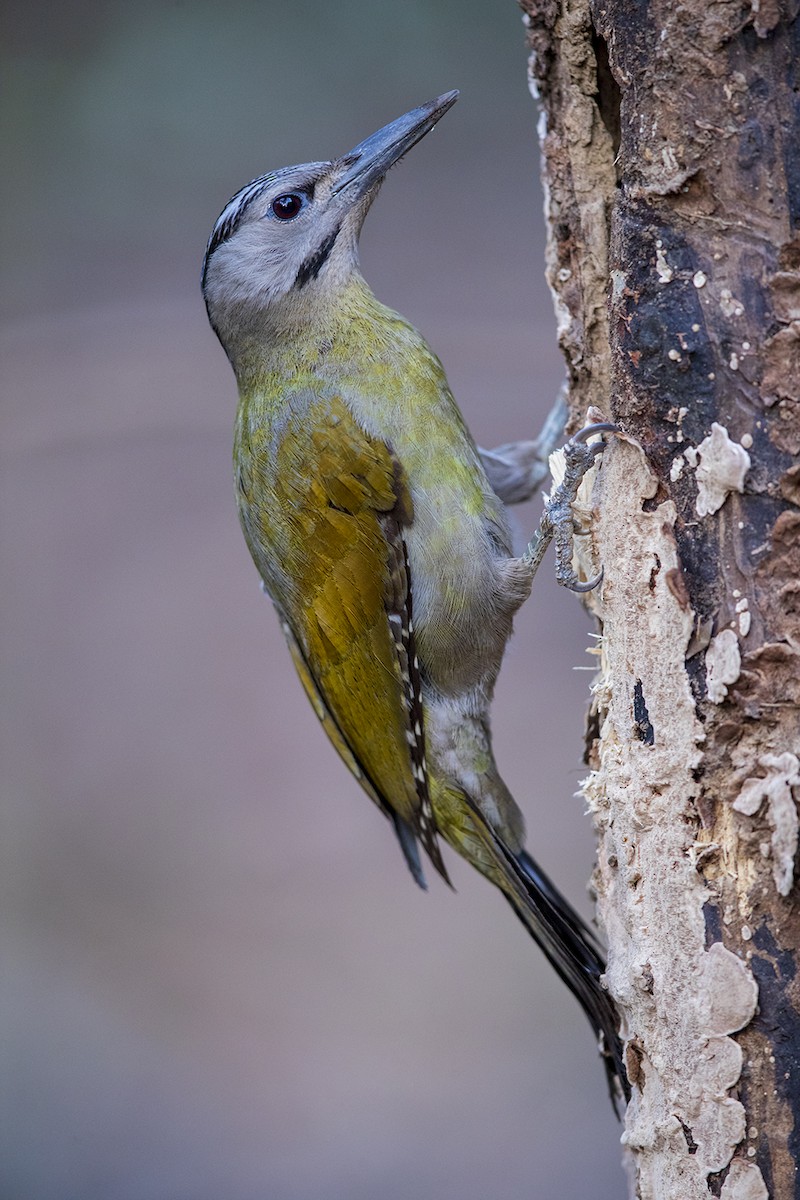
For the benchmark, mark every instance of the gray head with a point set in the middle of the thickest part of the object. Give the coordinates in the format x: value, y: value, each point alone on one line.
x: 293, y: 234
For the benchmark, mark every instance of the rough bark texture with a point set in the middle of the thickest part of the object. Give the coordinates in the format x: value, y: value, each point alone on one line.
x: 671, y: 148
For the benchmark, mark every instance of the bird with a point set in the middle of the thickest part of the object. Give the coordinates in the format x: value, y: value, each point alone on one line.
x: 380, y: 532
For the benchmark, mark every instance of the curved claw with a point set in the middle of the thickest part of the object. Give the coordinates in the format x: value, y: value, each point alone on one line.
x: 588, y: 586
x: 588, y: 430
x: 557, y: 520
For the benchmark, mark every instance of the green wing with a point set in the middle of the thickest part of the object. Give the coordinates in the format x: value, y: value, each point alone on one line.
x: 324, y: 507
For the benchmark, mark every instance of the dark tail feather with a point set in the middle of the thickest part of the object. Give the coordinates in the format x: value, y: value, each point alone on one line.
x: 573, y: 950
x: 570, y: 946
x: 408, y: 844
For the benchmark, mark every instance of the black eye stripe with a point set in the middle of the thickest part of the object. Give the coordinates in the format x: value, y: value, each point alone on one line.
x: 311, y: 268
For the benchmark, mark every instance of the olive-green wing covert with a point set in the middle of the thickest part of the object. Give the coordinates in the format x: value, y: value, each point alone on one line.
x: 331, y: 504
x: 405, y: 834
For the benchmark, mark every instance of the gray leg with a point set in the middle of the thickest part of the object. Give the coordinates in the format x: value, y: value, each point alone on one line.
x: 556, y: 523
x: 517, y: 469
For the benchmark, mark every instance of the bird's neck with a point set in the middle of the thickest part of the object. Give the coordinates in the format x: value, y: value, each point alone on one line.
x: 295, y: 335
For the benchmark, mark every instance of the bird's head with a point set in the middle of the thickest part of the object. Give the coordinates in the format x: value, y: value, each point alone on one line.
x: 291, y: 236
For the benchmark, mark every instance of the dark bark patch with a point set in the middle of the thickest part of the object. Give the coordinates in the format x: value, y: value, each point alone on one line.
x: 696, y: 674
x: 642, y: 726
x: 687, y: 1133
x: 716, y: 1180
x: 778, y: 1019
x: 609, y: 96
x: 663, y: 349
x: 713, y: 920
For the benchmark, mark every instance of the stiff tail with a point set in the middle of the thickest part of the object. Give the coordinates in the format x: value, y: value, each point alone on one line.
x: 571, y: 947
x: 410, y: 847
x: 574, y: 952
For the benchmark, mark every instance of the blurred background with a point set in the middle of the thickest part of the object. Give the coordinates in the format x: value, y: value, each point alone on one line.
x: 219, y: 979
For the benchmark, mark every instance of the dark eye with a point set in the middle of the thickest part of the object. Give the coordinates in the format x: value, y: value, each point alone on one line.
x: 286, y: 207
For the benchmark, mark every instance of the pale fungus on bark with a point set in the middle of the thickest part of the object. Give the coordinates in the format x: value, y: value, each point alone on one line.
x: 782, y: 773
x: 720, y: 468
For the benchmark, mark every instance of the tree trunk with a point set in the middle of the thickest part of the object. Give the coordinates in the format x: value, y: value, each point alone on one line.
x: 671, y: 149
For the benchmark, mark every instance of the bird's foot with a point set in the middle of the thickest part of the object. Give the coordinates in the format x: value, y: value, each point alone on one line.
x: 557, y: 524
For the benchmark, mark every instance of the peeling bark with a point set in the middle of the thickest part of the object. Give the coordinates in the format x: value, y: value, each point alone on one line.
x: 671, y: 157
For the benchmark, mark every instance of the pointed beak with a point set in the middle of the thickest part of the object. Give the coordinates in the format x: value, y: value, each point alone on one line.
x: 369, y: 161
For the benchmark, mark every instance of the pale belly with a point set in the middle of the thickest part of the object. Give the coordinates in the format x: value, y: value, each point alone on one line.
x: 461, y: 610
